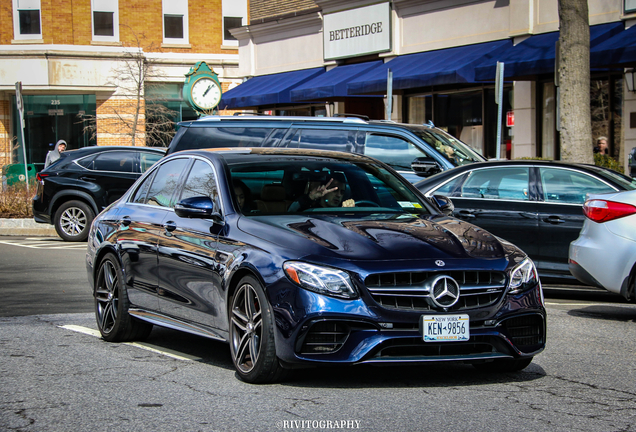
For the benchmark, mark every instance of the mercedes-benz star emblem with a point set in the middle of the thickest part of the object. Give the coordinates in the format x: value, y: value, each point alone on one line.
x: 440, y: 263
x: 444, y: 291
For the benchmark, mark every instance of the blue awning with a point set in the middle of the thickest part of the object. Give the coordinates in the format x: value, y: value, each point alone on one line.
x: 447, y: 66
x: 618, y: 51
x: 267, y: 89
x: 332, y: 83
x: 535, y: 55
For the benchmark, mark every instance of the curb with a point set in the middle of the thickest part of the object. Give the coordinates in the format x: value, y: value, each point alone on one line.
x: 26, y: 227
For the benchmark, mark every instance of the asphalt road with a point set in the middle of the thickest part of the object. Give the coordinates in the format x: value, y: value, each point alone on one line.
x: 56, y: 375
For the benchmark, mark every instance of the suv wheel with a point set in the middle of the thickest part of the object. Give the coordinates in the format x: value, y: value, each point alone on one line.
x: 73, y: 220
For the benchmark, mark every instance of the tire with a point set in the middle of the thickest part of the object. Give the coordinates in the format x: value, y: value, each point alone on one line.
x: 73, y: 220
x: 111, y: 305
x: 252, y: 334
x: 504, y: 365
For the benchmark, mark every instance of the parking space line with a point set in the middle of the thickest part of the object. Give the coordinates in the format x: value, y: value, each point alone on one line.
x: 145, y: 346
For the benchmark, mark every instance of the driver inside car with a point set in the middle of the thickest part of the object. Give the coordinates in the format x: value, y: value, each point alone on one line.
x: 329, y: 194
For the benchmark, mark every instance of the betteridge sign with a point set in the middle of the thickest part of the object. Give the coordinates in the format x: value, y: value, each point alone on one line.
x: 357, y: 32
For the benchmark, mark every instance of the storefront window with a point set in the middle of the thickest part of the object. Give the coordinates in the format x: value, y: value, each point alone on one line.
x: 460, y: 114
x: 606, y: 108
x: 165, y: 107
x: 490, y: 124
x: 548, y: 121
x: 49, y: 118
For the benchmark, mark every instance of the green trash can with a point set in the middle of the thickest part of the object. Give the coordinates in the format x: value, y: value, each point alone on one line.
x: 13, y: 174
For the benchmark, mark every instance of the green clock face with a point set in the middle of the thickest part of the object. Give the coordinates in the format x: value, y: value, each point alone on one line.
x: 205, y: 93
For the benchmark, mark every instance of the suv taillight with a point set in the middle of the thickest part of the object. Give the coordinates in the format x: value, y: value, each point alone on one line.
x: 604, y: 211
x: 40, y: 176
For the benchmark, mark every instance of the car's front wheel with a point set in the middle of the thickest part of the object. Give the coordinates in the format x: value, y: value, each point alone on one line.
x: 252, y: 334
x: 111, y: 305
x: 73, y: 220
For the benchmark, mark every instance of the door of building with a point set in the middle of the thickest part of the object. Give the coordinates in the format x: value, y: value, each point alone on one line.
x: 49, y: 118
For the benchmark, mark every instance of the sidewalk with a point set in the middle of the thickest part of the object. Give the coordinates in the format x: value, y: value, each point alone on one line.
x: 25, y: 227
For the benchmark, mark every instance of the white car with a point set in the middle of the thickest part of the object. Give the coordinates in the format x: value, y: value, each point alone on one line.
x: 604, y: 255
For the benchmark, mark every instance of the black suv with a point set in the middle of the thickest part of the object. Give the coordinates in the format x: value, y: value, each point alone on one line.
x: 83, y: 182
x: 415, y: 151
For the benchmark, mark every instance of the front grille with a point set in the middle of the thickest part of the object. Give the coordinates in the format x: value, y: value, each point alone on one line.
x: 525, y: 332
x: 325, y: 337
x: 416, y: 348
x: 407, y: 291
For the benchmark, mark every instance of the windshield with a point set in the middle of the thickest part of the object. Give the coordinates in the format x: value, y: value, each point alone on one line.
x: 321, y: 186
x: 457, y: 152
x: 622, y: 180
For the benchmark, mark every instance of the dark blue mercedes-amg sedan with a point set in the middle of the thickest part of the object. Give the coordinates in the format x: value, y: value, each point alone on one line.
x: 301, y: 257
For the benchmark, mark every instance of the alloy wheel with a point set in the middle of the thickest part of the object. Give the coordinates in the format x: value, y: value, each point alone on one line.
x: 106, y: 297
x: 246, y: 328
x: 73, y: 221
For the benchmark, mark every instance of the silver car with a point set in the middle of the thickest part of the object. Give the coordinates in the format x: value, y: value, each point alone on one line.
x: 604, y: 255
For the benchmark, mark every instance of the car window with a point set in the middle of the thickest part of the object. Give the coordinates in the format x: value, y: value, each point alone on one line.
x: 116, y: 161
x: 213, y: 137
x: 505, y: 183
x: 201, y: 181
x: 142, y: 190
x: 147, y: 160
x: 451, y: 188
x: 570, y: 187
x: 87, y: 162
x: 457, y: 152
x: 393, y: 151
x: 287, y: 186
x: 165, y: 182
x: 324, y: 139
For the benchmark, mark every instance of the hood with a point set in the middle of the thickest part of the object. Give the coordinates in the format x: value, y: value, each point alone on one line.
x: 401, y: 237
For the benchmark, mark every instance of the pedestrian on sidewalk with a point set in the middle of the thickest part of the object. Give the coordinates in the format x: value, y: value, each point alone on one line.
x: 54, y: 154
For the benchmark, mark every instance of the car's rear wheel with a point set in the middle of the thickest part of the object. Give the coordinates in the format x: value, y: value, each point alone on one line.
x: 73, y: 220
x: 252, y: 334
x: 504, y: 365
x: 111, y: 305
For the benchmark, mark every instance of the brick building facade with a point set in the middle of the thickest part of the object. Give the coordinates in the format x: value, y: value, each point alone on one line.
x: 69, y: 57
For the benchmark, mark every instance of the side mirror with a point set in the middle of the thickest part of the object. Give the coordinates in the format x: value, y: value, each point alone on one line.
x: 201, y: 207
x: 425, y: 166
x: 445, y: 204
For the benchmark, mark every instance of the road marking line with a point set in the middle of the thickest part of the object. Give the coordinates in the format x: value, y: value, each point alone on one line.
x: 36, y: 245
x: 145, y: 346
x: 588, y: 304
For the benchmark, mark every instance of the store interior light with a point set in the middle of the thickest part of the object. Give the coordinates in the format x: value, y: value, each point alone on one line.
x: 629, y: 80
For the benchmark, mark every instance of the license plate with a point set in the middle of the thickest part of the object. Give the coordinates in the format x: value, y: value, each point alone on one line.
x: 445, y: 328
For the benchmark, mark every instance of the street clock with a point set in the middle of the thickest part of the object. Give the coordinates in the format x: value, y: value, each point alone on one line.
x: 202, y: 89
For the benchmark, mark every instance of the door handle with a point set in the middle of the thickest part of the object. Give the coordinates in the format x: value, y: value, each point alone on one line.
x: 465, y: 214
x: 555, y: 220
x: 125, y: 221
x: 170, y: 226
x: 85, y: 178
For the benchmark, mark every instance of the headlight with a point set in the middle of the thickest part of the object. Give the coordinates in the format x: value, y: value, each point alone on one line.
x: 322, y: 280
x: 523, y: 277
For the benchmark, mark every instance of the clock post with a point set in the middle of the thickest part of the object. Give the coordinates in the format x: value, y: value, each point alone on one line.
x: 202, y: 89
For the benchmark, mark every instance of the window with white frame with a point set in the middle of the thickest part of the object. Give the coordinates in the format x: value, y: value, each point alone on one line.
x: 105, y: 19
x: 234, y: 15
x: 175, y: 22
x: 630, y: 6
x: 27, y: 21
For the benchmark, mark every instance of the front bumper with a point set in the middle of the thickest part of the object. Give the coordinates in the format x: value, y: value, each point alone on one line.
x: 513, y: 328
